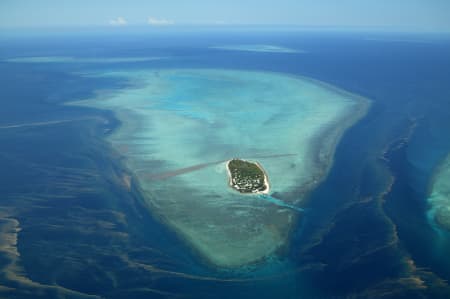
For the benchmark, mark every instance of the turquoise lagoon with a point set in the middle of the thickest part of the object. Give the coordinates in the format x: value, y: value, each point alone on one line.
x: 180, y: 126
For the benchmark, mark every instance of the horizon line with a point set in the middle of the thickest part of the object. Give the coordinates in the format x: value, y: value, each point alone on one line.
x: 212, y: 26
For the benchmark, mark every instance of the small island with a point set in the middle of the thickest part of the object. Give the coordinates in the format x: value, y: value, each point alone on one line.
x: 247, y: 177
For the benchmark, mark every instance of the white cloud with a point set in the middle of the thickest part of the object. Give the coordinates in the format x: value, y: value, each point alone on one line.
x: 119, y: 21
x: 159, y: 22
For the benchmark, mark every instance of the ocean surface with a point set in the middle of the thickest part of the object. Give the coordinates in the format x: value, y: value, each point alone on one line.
x: 72, y: 225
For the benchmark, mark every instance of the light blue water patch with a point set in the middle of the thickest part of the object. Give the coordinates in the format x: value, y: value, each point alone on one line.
x: 278, y: 202
x: 70, y: 59
x: 258, y: 48
x: 439, y: 199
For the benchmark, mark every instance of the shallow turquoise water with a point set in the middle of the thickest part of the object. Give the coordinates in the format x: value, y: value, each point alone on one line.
x: 279, y: 203
x: 180, y: 126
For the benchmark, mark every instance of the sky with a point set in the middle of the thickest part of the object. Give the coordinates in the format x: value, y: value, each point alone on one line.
x: 410, y: 15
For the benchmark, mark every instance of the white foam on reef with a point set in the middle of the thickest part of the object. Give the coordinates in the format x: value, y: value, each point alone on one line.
x: 258, y: 48
x: 439, y: 199
x: 179, y: 125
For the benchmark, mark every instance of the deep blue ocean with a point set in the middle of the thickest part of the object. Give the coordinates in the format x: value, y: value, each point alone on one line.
x: 365, y: 232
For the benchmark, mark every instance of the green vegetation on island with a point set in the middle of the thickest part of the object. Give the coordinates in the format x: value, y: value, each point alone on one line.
x: 246, y: 177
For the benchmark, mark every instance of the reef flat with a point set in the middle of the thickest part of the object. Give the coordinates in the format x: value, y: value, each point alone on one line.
x: 179, y: 127
x: 439, y: 198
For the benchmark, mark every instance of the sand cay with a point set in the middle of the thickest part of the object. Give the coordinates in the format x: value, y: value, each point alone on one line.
x: 180, y: 126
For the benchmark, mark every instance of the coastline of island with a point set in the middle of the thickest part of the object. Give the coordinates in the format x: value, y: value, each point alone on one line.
x: 255, y: 190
